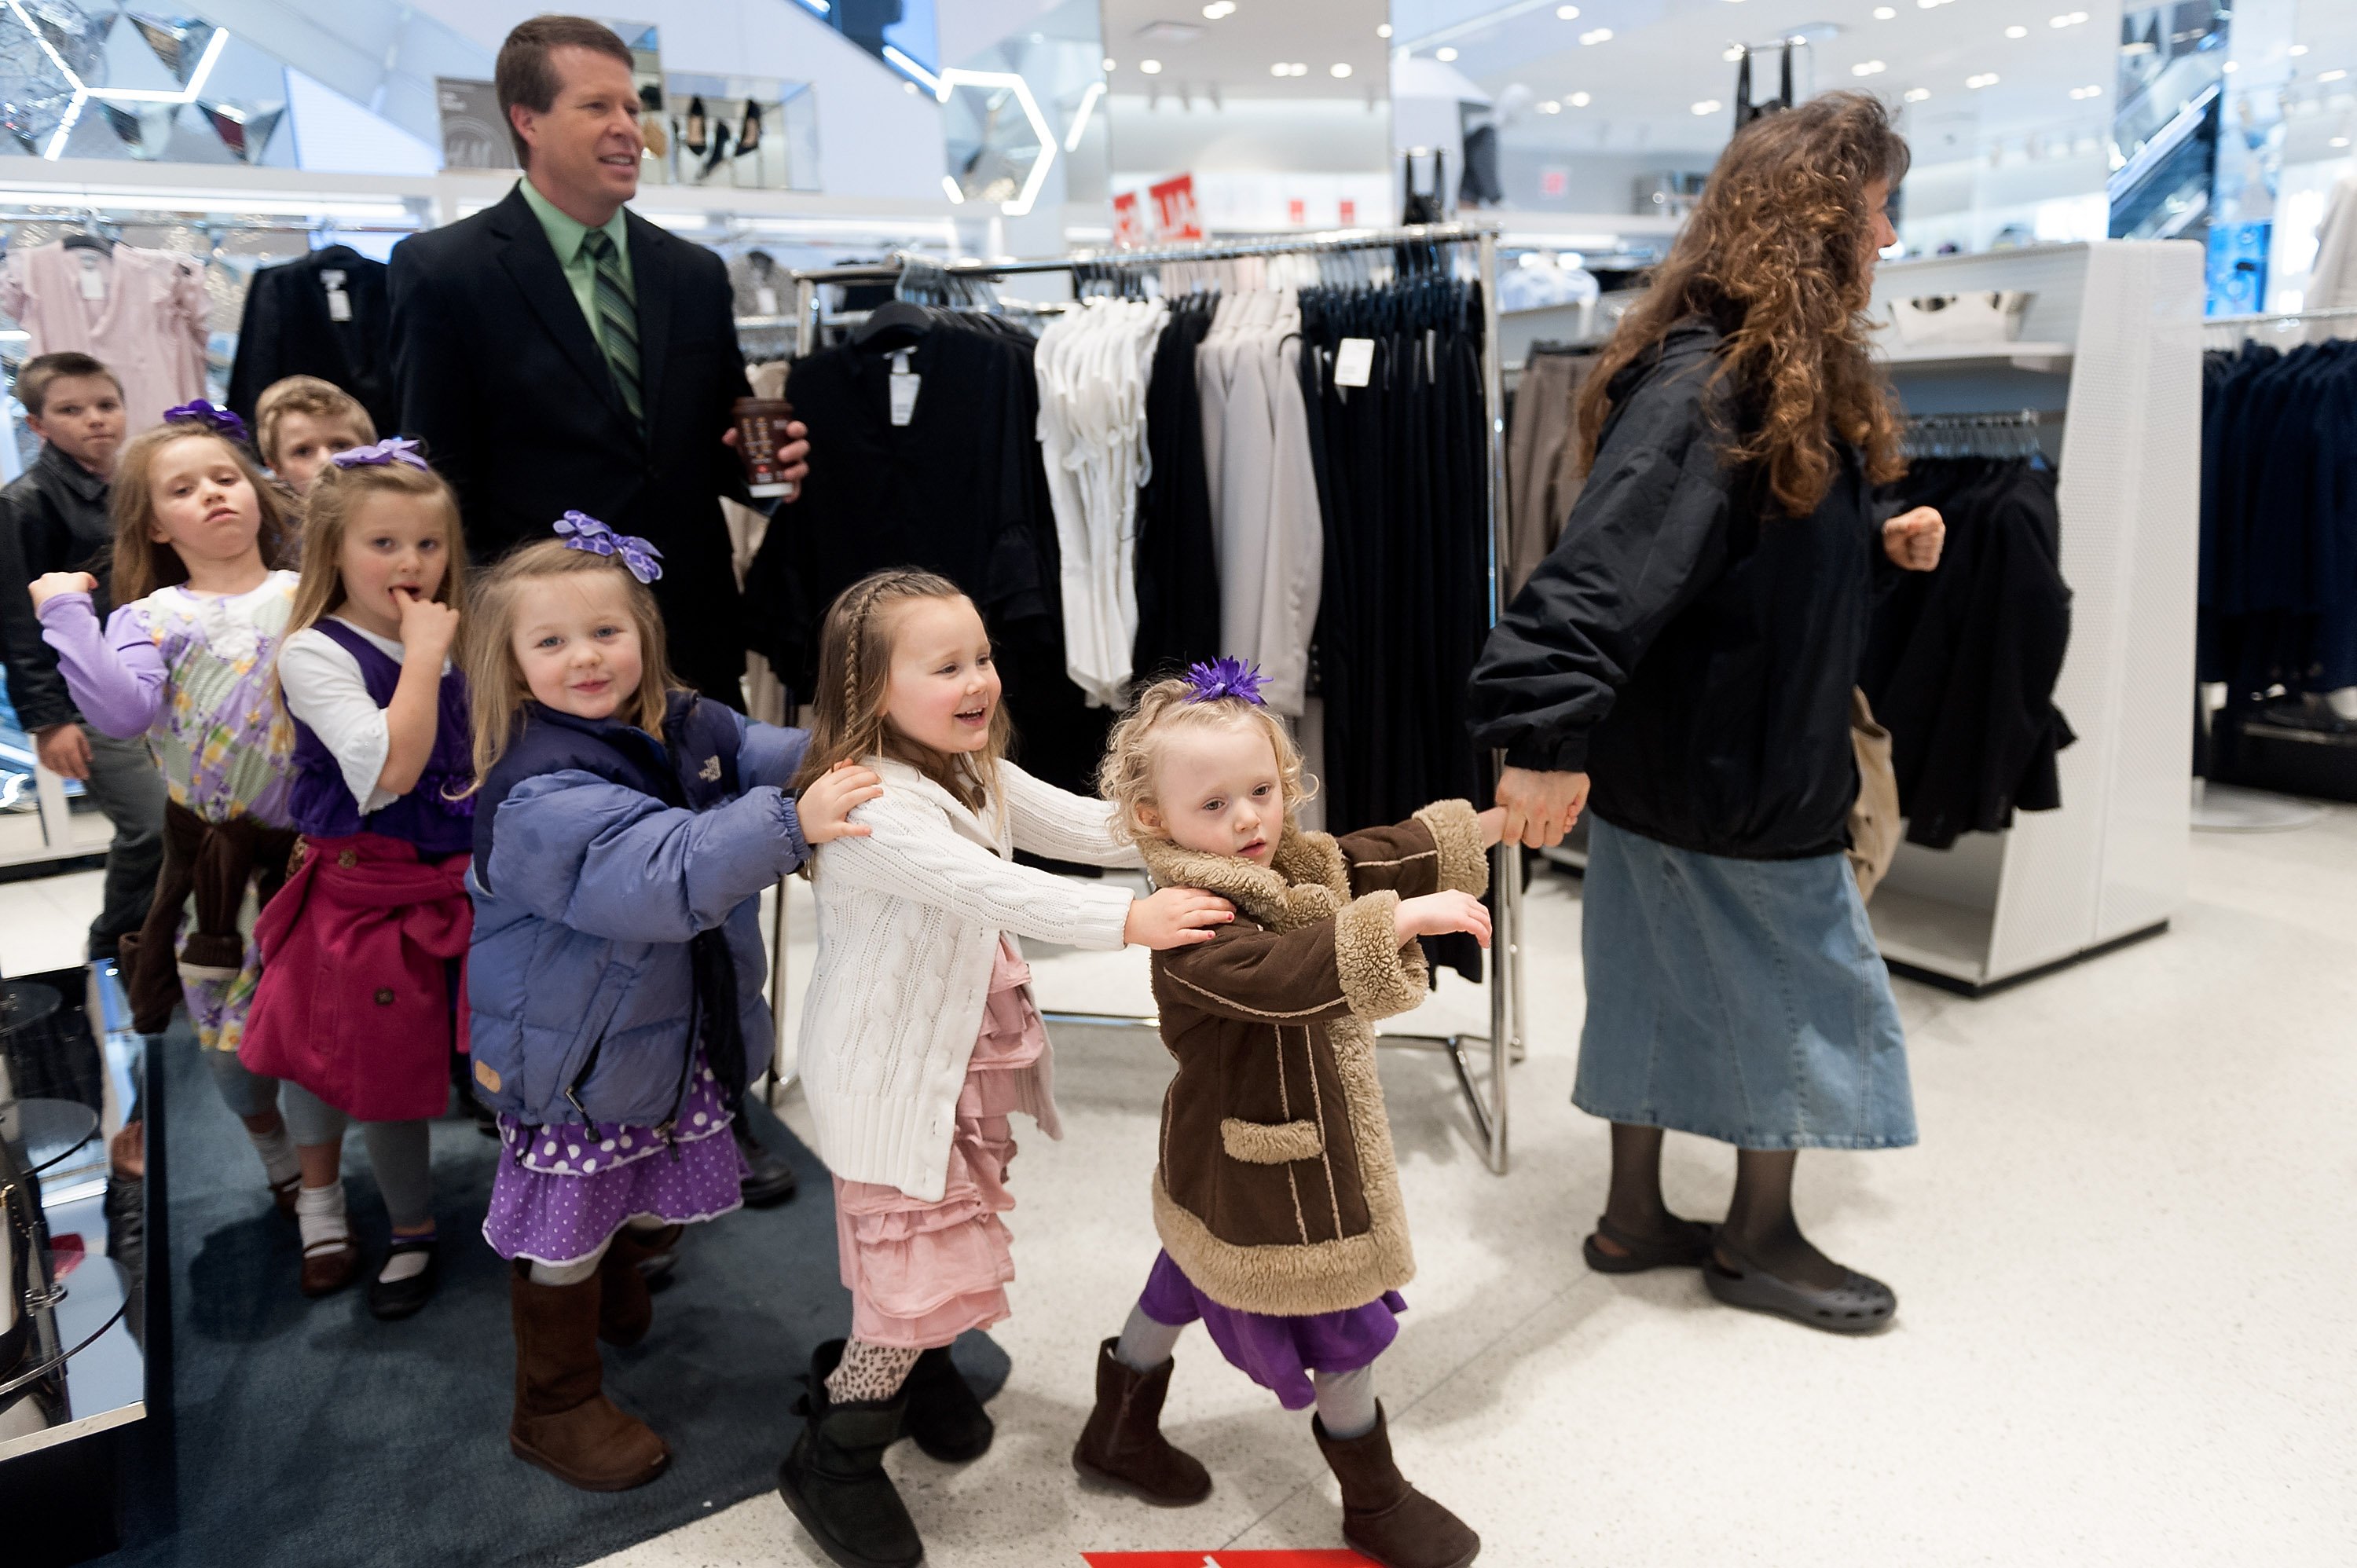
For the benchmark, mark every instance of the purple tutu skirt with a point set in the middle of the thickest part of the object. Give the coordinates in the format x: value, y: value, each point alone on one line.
x: 561, y: 1192
x: 1277, y: 1353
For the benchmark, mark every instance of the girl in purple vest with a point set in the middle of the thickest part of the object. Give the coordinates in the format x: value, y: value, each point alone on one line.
x: 357, y: 1006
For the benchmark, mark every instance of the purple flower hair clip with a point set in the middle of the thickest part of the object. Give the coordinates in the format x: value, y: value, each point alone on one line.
x: 1225, y: 678
x: 393, y: 450
x: 583, y: 532
x: 212, y: 415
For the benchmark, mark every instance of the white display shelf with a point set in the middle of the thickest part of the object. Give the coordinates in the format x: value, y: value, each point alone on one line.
x: 2047, y: 359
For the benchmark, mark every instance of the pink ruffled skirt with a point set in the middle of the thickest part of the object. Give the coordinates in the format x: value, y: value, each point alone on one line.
x: 921, y: 1273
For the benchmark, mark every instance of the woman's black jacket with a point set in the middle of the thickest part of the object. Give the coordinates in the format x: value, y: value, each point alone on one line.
x: 1686, y: 644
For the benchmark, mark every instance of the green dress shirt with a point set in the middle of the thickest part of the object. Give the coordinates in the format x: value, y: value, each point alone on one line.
x: 564, y: 236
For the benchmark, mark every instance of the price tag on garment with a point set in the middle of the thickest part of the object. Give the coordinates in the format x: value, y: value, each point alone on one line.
x: 340, y: 304
x: 765, y: 299
x: 904, y: 389
x: 1354, y: 362
x: 94, y: 282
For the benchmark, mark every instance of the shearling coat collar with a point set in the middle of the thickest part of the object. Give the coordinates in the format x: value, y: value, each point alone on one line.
x: 1308, y: 882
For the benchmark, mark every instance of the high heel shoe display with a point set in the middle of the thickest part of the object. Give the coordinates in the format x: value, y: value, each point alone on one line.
x: 694, y: 139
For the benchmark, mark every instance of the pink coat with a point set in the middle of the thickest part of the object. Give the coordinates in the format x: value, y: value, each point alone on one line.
x: 355, y: 1002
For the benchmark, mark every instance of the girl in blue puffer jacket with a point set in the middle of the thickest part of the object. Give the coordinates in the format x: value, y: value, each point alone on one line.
x: 624, y: 830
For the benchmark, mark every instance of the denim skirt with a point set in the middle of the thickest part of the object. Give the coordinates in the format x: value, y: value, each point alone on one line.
x: 1740, y: 1000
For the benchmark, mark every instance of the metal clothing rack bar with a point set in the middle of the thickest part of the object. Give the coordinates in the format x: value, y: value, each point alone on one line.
x: 1504, y: 1039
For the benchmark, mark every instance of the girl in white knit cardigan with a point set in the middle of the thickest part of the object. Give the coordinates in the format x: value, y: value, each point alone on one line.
x: 919, y: 1035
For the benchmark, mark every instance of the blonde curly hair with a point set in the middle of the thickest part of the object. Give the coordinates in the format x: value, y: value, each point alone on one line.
x: 1165, y: 709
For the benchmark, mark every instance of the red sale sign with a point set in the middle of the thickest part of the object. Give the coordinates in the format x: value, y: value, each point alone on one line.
x: 1175, y: 219
x: 1128, y: 223
x: 1321, y: 1559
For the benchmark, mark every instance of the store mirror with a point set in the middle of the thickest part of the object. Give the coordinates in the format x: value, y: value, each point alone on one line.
x: 1247, y: 116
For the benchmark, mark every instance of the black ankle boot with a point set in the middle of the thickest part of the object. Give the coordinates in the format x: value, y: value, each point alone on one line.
x: 944, y: 1416
x: 833, y: 1478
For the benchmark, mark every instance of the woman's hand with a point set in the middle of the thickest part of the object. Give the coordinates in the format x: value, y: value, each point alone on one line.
x: 1176, y: 918
x: 1912, y: 539
x: 50, y: 585
x: 1438, y: 914
x: 826, y: 808
x: 1539, y: 807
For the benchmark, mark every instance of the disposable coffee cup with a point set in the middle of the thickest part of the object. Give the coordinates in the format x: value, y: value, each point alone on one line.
x: 761, y: 431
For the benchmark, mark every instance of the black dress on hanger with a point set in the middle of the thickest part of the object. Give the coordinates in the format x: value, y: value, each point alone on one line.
x: 291, y: 327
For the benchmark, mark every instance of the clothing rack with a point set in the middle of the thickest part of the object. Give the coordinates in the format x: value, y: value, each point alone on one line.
x: 1504, y: 1039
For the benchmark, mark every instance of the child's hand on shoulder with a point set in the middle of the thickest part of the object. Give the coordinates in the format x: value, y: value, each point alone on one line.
x: 1176, y: 918
x: 826, y: 806
x: 428, y: 627
x: 1438, y: 914
x: 50, y: 585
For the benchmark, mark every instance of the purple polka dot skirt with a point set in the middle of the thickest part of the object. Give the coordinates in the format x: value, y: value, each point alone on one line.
x: 561, y: 1192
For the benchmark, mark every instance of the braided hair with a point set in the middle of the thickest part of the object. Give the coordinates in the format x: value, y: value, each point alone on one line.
x: 853, y: 686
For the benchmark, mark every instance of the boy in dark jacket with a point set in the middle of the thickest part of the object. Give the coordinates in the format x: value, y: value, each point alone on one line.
x: 54, y: 519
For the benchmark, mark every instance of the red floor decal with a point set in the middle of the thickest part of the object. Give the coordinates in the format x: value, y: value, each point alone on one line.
x: 1320, y: 1559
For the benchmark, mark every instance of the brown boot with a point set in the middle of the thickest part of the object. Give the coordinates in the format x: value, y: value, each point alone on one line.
x: 1382, y: 1516
x: 1123, y: 1441
x: 626, y: 1309
x: 564, y: 1422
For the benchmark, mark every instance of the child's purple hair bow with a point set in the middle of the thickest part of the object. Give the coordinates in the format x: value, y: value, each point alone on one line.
x: 391, y: 449
x: 1225, y: 678
x: 583, y: 532
x: 212, y: 415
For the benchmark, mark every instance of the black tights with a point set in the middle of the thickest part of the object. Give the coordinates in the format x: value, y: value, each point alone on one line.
x: 1760, y: 1222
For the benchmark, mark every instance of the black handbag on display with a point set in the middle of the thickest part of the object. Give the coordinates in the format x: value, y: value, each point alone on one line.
x: 1423, y: 206
x: 1744, y: 109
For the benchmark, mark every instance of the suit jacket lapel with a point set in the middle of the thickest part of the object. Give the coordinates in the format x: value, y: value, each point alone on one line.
x: 531, y: 262
x: 650, y: 278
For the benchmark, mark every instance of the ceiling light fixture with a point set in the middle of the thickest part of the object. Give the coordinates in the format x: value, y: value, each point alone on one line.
x: 1566, y: 12
x: 2338, y: 142
x: 1110, y: 64
x: 1884, y: 12
x: 1917, y: 94
x: 1733, y: 52
x: 2296, y: 50
x: 1218, y: 9
x: 1151, y: 67
x: 2017, y: 32
x: 1985, y: 78
x: 1580, y: 101
x: 1868, y: 67
x: 2067, y: 19
x: 1550, y: 106
x: 1008, y: 80
x: 1338, y: 70
x: 1081, y: 116
x: 1382, y: 30
x: 1708, y: 106
x: 2332, y: 75
x: 1596, y: 36
x: 954, y: 191
x: 1443, y: 54
x: 2090, y: 92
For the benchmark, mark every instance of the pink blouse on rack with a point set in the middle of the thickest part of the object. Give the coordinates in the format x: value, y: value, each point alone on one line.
x: 149, y: 326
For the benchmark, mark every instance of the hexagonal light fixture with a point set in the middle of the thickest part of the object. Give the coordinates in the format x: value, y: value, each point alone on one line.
x: 83, y: 93
x: 958, y: 76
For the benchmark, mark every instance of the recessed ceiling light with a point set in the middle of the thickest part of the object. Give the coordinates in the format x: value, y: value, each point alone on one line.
x: 2332, y: 75
x: 2017, y: 32
x: 1218, y: 9
x: 1338, y: 70
x: 1884, y: 12
x: 1580, y: 101
x: 1549, y: 107
x: 1382, y: 30
x: 1917, y: 94
x: 1110, y: 64
x: 1985, y: 78
x: 1868, y: 67
x: 2296, y: 50
x: 1151, y: 67
x: 2086, y: 92
x: 1443, y: 54
x: 1597, y: 35
x: 1708, y: 106
x: 2067, y: 19
x: 1566, y: 12
x: 2338, y: 142
x: 2232, y: 65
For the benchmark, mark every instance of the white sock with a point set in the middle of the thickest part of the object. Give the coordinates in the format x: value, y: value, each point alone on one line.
x: 406, y: 1265
x: 319, y: 1211
x: 277, y: 1151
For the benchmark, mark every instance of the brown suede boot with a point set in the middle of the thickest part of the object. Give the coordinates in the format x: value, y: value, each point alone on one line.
x: 1123, y: 1441
x: 1382, y: 1516
x: 564, y: 1422
x: 626, y: 1309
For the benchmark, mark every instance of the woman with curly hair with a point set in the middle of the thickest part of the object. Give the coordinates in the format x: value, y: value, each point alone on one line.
x: 1689, y: 648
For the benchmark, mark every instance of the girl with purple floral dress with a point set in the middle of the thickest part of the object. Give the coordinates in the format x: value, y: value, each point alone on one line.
x: 623, y: 832
x: 185, y: 661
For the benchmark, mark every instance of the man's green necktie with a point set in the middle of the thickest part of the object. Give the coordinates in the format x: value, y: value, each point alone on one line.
x: 618, y: 319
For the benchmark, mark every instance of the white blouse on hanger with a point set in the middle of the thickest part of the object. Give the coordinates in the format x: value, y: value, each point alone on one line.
x: 142, y: 314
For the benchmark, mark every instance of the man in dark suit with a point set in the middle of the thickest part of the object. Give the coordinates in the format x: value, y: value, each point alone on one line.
x: 559, y: 353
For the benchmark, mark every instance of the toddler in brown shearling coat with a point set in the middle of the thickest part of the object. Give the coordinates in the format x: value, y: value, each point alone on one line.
x: 1275, y: 1195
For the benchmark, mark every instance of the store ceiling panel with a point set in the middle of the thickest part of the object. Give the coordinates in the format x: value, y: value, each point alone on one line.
x: 1329, y: 49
